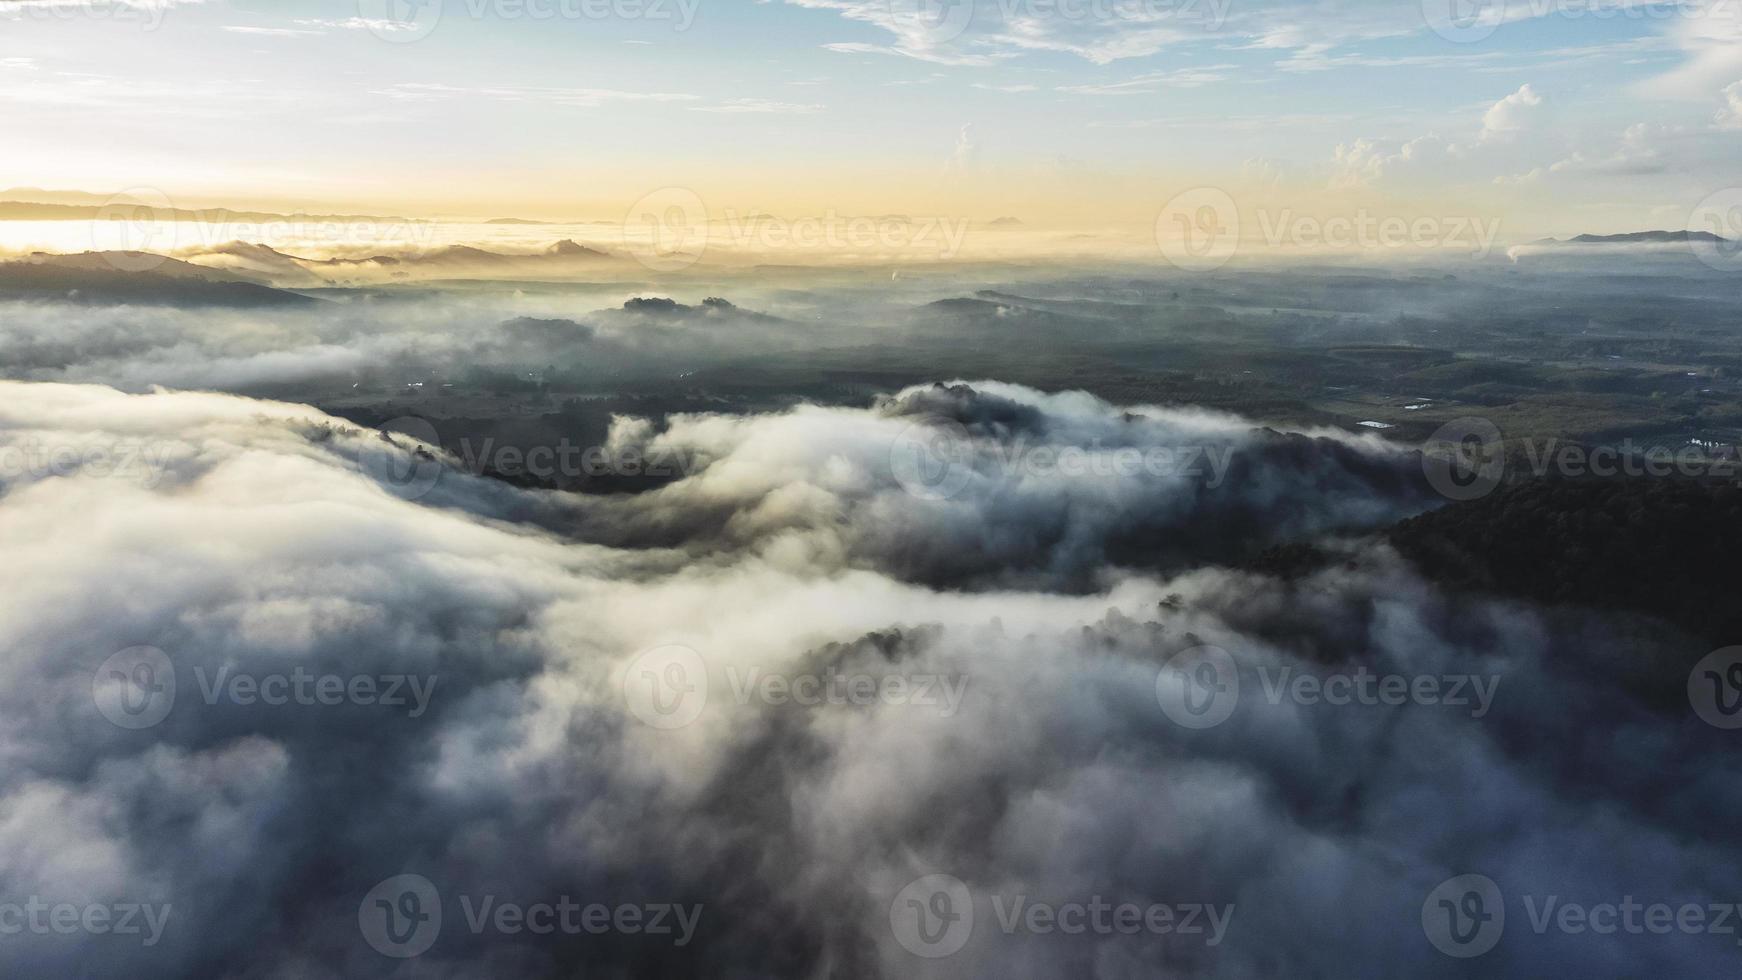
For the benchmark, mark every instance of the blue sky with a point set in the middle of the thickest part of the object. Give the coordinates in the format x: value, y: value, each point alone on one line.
x: 1569, y: 113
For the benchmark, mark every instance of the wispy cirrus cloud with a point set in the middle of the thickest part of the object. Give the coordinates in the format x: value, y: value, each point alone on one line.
x: 761, y: 106
x: 1155, y: 81
x: 573, y: 97
x: 1311, y: 37
x: 374, y: 25
x: 933, y: 54
x: 271, y: 31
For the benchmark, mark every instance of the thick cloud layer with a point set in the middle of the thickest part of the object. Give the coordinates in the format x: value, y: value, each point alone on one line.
x: 986, y: 483
x: 265, y: 539
x: 380, y: 340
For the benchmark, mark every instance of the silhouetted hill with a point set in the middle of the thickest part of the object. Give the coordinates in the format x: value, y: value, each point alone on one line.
x: 1639, y: 238
x: 1663, y: 547
x: 109, y: 286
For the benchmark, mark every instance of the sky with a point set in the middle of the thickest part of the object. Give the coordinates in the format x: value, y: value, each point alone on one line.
x: 1562, y: 115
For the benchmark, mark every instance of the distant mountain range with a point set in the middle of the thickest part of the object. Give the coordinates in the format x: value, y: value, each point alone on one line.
x: 116, y: 209
x: 251, y: 274
x: 1640, y: 238
x: 135, y: 278
x: 37, y: 204
x: 262, y: 263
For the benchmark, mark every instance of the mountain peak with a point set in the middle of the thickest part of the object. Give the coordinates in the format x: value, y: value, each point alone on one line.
x: 1640, y: 237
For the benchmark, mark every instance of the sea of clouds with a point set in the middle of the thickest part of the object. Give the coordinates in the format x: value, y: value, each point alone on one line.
x: 761, y: 702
